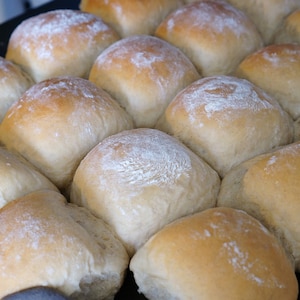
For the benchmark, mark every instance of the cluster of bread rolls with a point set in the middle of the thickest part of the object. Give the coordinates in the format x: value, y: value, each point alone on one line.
x: 157, y: 137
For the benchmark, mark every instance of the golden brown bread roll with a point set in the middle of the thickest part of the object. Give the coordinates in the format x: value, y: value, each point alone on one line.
x: 276, y: 69
x: 223, y: 120
x: 143, y: 73
x: 141, y: 179
x: 267, y: 187
x: 289, y: 29
x: 47, y: 242
x: 13, y: 83
x: 131, y: 17
x: 220, y: 253
x: 18, y: 177
x: 59, y: 42
x: 213, y: 34
x: 57, y: 121
x: 267, y: 15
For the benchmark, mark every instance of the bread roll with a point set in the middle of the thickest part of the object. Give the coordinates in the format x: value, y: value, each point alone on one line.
x: 276, y: 69
x: 289, y: 29
x: 141, y: 179
x: 59, y: 42
x: 131, y: 17
x: 57, y: 121
x: 220, y: 253
x: 267, y: 15
x: 223, y: 120
x: 18, y: 177
x: 267, y: 187
x: 47, y: 242
x: 213, y: 34
x: 13, y: 83
x: 143, y: 73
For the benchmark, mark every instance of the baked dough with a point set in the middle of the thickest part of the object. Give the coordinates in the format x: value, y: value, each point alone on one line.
x: 289, y: 29
x: 220, y: 253
x: 58, y: 43
x: 143, y: 73
x: 141, y: 179
x: 276, y: 69
x: 267, y: 187
x: 131, y: 17
x: 13, y: 83
x: 47, y: 242
x: 267, y: 15
x: 215, y: 35
x: 58, y: 121
x: 226, y: 120
x: 18, y: 177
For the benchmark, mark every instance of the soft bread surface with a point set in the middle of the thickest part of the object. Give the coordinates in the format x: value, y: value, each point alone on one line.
x: 267, y: 187
x: 18, y: 177
x: 131, y: 17
x: 267, y: 15
x: 13, y: 83
x: 143, y: 73
x: 141, y: 179
x: 57, y: 121
x: 59, y: 42
x: 220, y: 253
x: 47, y: 242
x: 213, y: 34
x: 223, y: 120
x: 276, y: 69
x: 289, y: 30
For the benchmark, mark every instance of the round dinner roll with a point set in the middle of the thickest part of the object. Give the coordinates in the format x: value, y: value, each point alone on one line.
x: 276, y: 69
x: 58, y: 121
x: 18, y: 177
x: 59, y: 42
x: 267, y: 15
x: 13, y: 83
x: 220, y: 253
x: 131, y: 17
x: 223, y: 120
x: 143, y: 73
x: 267, y: 187
x: 213, y: 34
x: 289, y: 30
x: 141, y: 179
x: 47, y: 242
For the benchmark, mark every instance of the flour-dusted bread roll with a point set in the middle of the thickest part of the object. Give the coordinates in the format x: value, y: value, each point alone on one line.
x: 58, y: 121
x: 220, y: 253
x: 18, y: 177
x: 267, y: 187
x: 213, y: 34
x: 226, y: 120
x: 267, y: 15
x: 47, y: 242
x: 131, y: 17
x: 141, y: 179
x: 143, y: 73
x: 289, y: 30
x: 276, y: 69
x: 59, y: 42
x: 13, y: 83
